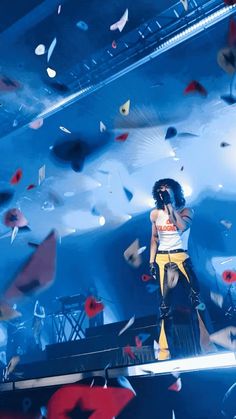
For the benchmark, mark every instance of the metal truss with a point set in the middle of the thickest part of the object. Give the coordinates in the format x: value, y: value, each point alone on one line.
x: 170, y: 28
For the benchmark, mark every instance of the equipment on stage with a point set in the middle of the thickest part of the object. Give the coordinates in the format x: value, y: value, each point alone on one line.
x: 67, y: 323
x: 72, y: 302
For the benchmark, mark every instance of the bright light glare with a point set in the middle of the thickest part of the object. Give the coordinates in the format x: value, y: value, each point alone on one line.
x: 102, y: 221
x: 226, y: 359
x: 151, y: 203
x: 187, y: 190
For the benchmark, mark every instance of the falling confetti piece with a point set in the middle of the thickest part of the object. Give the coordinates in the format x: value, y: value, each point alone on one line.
x: 14, y: 233
x: 128, y: 351
x: 122, y: 137
x: 38, y: 123
x: 141, y: 250
x: 38, y: 272
x: 121, y: 23
x: 185, y: 4
x: 195, y: 87
x: 59, y: 9
x: 129, y: 324
x: 225, y: 338
x: 51, y: 73
x: 95, y: 212
x: 92, y: 307
x: 217, y: 299
x: 229, y: 276
x: 226, y: 261
x: 144, y: 336
x: 176, y: 386
x: 224, y: 144
x: 146, y: 277
x: 16, y: 178
x: 229, y: 99
x: 7, y: 312
x: 40, y: 49
x: 82, y: 25
x: 170, y: 133
x: 114, y: 44
x: 65, y: 130
x: 15, y: 123
x: 31, y: 186
x: 131, y: 254
x: 42, y: 174
x: 51, y: 49
x: 102, y: 127
x: 5, y: 196
x: 151, y: 288
x: 182, y: 168
x: 230, y: 2
x: 226, y: 59
x: 128, y: 194
x: 226, y: 224
x: 124, y: 109
x: 14, y: 218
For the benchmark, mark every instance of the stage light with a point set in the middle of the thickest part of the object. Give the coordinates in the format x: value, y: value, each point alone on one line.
x: 187, y: 190
x: 221, y: 360
x: 192, y: 30
x: 102, y: 221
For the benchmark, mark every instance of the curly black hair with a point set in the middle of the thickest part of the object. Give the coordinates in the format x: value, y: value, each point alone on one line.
x: 174, y: 186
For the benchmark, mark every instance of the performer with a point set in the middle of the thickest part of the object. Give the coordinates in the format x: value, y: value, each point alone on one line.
x: 38, y: 323
x: 169, y: 260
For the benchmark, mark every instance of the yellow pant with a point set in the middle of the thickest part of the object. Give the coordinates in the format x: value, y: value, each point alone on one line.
x: 162, y: 259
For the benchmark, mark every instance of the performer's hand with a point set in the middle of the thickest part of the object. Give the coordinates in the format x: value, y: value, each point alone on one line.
x: 165, y: 197
x: 153, y: 270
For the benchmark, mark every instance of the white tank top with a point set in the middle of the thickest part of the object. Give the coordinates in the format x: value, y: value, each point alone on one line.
x: 170, y: 238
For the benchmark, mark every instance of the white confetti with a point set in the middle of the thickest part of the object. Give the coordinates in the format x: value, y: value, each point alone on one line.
x: 40, y: 49
x: 102, y: 127
x: 130, y: 322
x: 42, y: 174
x: 141, y: 250
x: 65, y: 130
x: 59, y: 9
x: 14, y: 233
x: 121, y: 23
x: 51, y: 73
x: 51, y: 49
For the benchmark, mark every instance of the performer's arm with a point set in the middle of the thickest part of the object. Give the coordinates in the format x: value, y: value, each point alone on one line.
x: 181, y: 220
x: 154, y: 237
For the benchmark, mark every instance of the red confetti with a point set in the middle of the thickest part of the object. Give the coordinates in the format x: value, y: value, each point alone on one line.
x: 229, y: 276
x: 195, y: 86
x: 176, y: 386
x: 31, y: 186
x: 122, y: 137
x: 104, y: 402
x: 138, y: 342
x: 114, y: 44
x: 230, y: 2
x: 14, y: 218
x: 232, y: 33
x: 146, y: 277
x: 129, y: 352
x: 93, y: 307
x: 16, y: 177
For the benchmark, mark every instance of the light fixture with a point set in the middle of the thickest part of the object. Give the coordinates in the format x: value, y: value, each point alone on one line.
x: 185, y: 34
x: 220, y: 360
x: 102, y: 220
